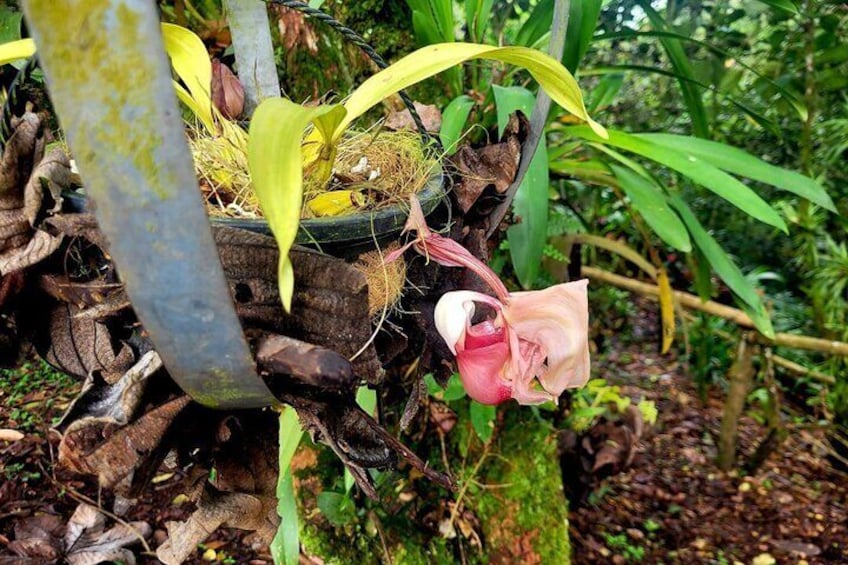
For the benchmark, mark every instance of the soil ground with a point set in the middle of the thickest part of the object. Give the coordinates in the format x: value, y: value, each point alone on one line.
x: 671, y: 506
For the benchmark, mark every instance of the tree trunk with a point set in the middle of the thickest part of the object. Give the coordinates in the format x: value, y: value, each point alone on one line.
x: 740, y: 376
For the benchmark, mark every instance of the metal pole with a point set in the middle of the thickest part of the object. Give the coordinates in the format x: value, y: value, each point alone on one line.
x: 110, y: 82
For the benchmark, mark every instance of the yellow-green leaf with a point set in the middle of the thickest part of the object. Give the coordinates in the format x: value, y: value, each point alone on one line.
x: 666, y: 309
x: 191, y: 63
x: 16, y: 50
x: 276, y: 170
x: 433, y: 59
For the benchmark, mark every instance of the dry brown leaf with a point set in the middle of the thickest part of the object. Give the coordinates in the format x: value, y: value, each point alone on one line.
x: 87, y: 542
x: 79, y: 346
x: 97, y: 446
x: 489, y: 166
x: 236, y: 510
x: 38, y: 537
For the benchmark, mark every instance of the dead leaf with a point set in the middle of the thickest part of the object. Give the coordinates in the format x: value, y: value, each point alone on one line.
x: 38, y: 537
x: 79, y: 346
x: 97, y: 446
x: 236, y: 510
x: 491, y: 167
x: 87, y: 542
x: 115, y: 402
x: 430, y: 116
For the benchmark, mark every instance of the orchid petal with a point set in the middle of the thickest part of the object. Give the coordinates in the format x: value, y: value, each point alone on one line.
x: 453, y: 314
x: 557, y: 320
x: 481, y: 373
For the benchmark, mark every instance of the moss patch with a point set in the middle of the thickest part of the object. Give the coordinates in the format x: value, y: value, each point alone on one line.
x: 526, y: 521
x: 520, y: 517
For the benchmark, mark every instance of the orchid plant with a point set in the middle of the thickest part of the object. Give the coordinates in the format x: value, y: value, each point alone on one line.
x: 534, y: 347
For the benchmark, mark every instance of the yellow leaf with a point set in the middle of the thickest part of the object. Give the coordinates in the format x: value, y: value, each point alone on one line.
x: 16, y: 50
x: 336, y: 202
x: 666, y: 309
x: 276, y: 169
x: 433, y: 59
x: 190, y: 61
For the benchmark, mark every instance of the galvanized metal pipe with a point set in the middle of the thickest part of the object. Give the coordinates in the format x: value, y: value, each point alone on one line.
x: 110, y: 82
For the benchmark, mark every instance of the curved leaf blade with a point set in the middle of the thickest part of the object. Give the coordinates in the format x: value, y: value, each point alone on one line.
x: 527, y: 237
x: 433, y: 59
x: 190, y: 61
x: 650, y: 201
x: 739, y: 162
x: 695, y: 168
x: 276, y: 170
x: 725, y: 267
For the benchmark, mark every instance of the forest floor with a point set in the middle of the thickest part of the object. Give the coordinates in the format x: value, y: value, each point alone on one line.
x: 671, y: 506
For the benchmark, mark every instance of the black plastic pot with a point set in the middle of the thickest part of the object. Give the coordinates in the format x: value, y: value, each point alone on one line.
x: 346, y: 235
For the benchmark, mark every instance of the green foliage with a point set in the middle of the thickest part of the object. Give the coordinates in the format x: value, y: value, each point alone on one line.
x: 600, y: 399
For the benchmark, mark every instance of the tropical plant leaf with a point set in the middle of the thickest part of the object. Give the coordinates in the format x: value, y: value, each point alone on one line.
x: 190, y: 61
x: 724, y: 267
x: 692, y: 95
x: 428, y: 61
x: 738, y: 162
x: 666, y: 309
x: 537, y: 25
x: 785, y: 5
x: 286, y: 545
x: 482, y: 420
x: 276, y: 170
x: 605, y: 92
x: 527, y: 237
x: 432, y: 22
x: 16, y: 50
x: 582, y: 21
x: 454, y: 118
x: 758, y: 117
x: 650, y: 201
x: 786, y: 94
x: 477, y: 15
x: 698, y: 170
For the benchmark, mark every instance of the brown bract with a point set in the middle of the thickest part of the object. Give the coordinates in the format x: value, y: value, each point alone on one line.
x: 491, y: 166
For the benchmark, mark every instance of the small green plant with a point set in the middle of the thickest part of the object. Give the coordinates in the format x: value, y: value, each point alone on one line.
x: 621, y: 543
x: 597, y: 399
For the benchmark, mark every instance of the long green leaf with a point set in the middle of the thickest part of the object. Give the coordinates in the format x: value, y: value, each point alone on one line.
x: 527, y: 237
x: 758, y: 117
x: 692, y: 95
x: 725, y: 267
x: 454, y: 117
x: 786, y: 94
x: 537, y: 25
x: 276, y: 170
x: 432, y: 22
x: 605, y: 92
x: 738, y: 162
x: 286, y: 548
x: 582, y: 21
x: 785, y: 5
x: 477, y: 15
x: 428, y: 61
x: 697, y: 169
x: 651, y: 203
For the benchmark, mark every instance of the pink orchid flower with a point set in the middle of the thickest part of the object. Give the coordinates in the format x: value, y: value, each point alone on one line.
x: 532, y: 347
